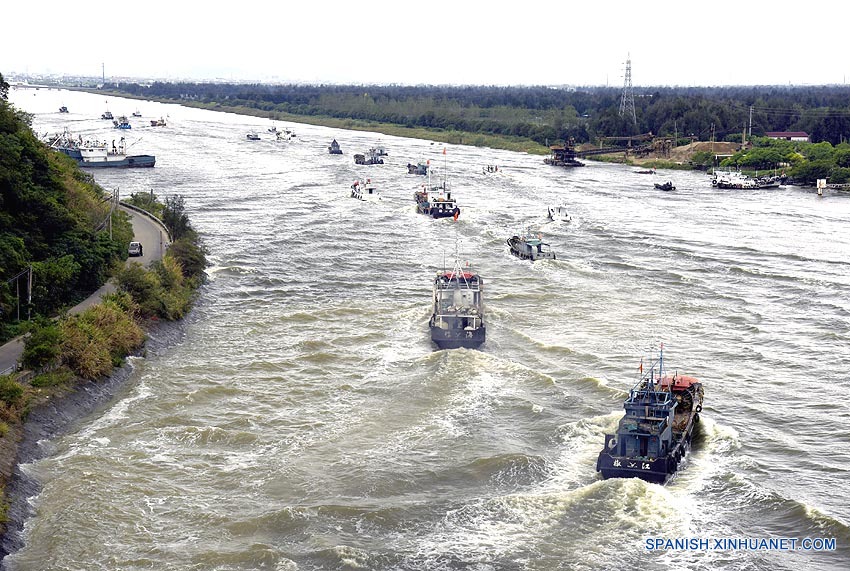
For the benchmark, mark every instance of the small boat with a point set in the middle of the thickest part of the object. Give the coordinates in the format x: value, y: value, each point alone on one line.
x: 374, y: 159
x: 122, y: 123
x: 649, y: 171
x: 107, y: 115
x: 252, y: 136
x: 666, y: 186
x: 63, y: 109
x: 559, y: 214
x: 655, y: 433
x: 530, y: 246
x: 490, y: 169
x: 285, y: 135
x: 137, y: 113
x: 334, y: 148
x: 273, y: 130
x: 158, y: 122
x: 365, y: 191
x: 379, y: 151
x: 418, y: 168
x: 457, y: 319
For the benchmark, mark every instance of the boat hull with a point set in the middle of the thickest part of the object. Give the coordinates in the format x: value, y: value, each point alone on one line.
x: 132, y: 161
x: 458, y: 338
x: 654, y: 470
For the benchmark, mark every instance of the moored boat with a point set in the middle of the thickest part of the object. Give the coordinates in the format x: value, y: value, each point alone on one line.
x: 655, y: 432
x: 563, y: 156
x: 457, y: 319
x: 530, y: 246
x: 98, y: 154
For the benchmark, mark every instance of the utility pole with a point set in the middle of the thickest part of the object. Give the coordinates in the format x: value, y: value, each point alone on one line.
x: 29, y: 295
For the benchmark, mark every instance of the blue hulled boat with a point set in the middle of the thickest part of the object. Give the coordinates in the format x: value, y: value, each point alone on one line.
x: 655, y: 433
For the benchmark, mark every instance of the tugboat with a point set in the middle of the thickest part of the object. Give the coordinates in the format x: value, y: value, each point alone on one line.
x: 655, y: 433
x: 63, y: 109
x: 563, y: 156
x: 530, y: 247
x: 458, y: 316
x: 334, y: 148
x: 666, y: 186
x: 365, y: 191
x: 418, y: 168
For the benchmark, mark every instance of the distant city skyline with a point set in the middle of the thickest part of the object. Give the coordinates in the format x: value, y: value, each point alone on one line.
x: 455, y: 43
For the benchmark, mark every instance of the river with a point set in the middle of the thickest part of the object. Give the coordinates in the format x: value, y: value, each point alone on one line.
x: 305, y: 421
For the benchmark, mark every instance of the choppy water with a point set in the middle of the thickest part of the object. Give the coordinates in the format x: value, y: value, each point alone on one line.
x: 306, y: 422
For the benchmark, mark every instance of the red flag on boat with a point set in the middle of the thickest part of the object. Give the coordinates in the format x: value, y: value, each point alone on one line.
x: 444, y: 150
x: 641, y: 365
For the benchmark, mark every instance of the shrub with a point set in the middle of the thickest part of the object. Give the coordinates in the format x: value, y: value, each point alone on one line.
x: 41, y: 347
x: 10, y: 390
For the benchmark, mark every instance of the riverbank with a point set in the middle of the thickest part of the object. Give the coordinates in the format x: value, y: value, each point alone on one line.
x: 56, y: 412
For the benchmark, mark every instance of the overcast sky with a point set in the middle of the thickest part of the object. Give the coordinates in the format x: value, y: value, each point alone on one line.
x: 499, y: 42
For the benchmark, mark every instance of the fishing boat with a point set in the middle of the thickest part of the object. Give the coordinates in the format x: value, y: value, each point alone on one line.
x: 273, y: 130
x: 379, y: 151
x: 334, y: 148
x: 457, y: 319
x: 137, y: 113
x: 559, y: 214
x: 252, y: 136
x: 63, y: 109
x: 107, y: 115
x: 122, y: 123
x: 436, y: 200
x: 373, y: 159
x: 366, y: 191
x: 158, y: 122
x: 530, y: 246
x: 99, y: 154
x: 655, y: 432
x: 489, y: 169
x: 418, y: 168
x: 646, y: 171
x: 666, y: 186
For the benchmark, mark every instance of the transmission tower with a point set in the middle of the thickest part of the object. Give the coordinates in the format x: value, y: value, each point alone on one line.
x: 627, y: 104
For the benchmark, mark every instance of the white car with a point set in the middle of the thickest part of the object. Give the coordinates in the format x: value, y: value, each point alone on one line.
x: 135, y: 249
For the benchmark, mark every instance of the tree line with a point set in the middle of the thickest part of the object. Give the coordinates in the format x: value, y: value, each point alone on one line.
x: 540, y: 113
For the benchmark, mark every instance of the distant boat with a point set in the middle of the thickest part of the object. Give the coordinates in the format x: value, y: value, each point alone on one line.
x: 122, y: 123
x: 334, y: 148
x: 563, y: 156
x: 374, y: 159
x: 63, y: 109
x: 107, y: 115
x: 137, y: 113
x: 559, y: 214
x: 158, y: 122
x: 666, y: 186
x: 365, y: 191
x: 649, y: 171
x: 490, y: 169
x: 252, y: 136
x: 530, y: 247
x: 418, y: 168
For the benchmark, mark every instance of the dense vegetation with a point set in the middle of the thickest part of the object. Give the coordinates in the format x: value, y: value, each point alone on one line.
x: 541, y: 114
x: 805, y: 162
x: 54, y: 219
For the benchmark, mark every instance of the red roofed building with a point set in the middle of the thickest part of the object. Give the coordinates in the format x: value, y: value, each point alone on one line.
x: 789, y: 135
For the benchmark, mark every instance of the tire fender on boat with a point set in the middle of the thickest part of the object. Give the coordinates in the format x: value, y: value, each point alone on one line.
x: 699, y: 408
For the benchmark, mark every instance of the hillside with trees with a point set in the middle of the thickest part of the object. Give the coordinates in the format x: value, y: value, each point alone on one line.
x: 54, y: 219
